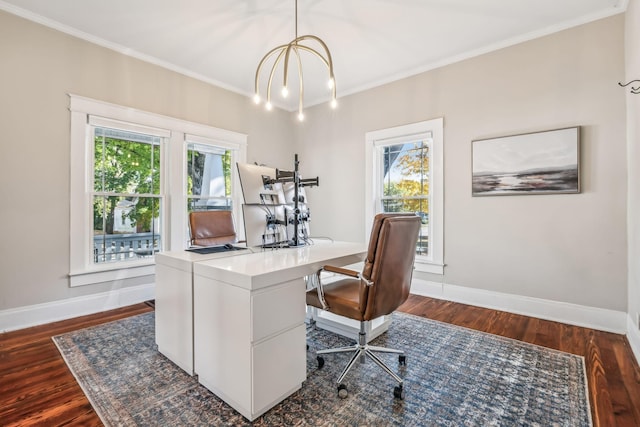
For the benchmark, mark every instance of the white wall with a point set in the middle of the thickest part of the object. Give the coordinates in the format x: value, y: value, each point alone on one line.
x: 565, y: 248
x: 39, y: 66
x: 632, y: 72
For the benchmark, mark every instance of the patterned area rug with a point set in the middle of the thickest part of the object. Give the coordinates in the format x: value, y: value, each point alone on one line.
x: 454, y: 377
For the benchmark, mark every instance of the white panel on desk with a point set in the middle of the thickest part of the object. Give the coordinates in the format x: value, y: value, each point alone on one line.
x: 277, y: 308
x: 222, y: 328
x: 174, y: 320
x: 278, y: 373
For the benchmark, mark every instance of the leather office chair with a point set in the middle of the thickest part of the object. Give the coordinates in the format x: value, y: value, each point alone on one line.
x: 379, y: 290
x: 208, y: 228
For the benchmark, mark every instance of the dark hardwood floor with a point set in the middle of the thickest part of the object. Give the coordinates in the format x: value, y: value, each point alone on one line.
x: 36, y: 388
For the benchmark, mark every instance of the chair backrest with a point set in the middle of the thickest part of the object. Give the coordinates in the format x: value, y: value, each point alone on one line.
x: 389, y: 263
x: 209, y: 228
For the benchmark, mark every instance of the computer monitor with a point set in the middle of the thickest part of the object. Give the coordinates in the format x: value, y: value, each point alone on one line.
x: 254, y: 190
x: 264, y: 214
x: 275, y: 208
x: 259, y: 231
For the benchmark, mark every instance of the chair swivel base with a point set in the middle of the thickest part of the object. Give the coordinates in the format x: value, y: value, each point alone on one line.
x: 361, y: 351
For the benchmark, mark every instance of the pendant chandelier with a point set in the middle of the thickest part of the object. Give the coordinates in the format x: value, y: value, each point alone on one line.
x: 284, y: 52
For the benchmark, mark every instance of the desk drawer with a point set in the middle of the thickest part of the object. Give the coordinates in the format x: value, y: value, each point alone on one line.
x: 279, y: 368
x: 277, y: 308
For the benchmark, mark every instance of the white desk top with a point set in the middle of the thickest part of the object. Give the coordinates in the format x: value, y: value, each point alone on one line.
x: 267, y: 267
x: 183, y: 260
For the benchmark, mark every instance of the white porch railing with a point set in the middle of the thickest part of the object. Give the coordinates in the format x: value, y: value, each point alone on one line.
x: 118, y: 247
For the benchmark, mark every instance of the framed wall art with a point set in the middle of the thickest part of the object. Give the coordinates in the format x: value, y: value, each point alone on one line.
x: 534, y: 163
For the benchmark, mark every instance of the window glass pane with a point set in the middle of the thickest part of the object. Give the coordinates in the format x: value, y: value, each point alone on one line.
x: 418, y: 206
x: 208, y: 177
x: 405, y: 186
x: 126, y: 162
x: 125, y: 228
x: 406, y: 170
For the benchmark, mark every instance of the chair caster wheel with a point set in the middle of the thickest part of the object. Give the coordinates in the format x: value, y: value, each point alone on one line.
x: 342, y: 391
x: 320, y: 360
x: 398, y: 392
x: 402, y: 359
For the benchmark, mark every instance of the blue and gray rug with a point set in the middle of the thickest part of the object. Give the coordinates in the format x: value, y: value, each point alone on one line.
x: 454, y: 377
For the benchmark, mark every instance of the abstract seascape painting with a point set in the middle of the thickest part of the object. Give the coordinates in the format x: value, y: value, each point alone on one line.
x: 534, y: 163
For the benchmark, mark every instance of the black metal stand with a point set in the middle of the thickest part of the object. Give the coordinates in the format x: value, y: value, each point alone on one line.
x: 295, y: 242
x: 294, y: 177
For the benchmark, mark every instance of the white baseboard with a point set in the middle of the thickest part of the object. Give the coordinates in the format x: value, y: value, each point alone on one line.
x: 38, y: 314
x: 572, y: 314
x: 633, y: 335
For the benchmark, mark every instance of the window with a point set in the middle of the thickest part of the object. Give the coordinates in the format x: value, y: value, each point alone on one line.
x: 405, y: 174
x: 405, y: 182
x: 126, y: 197
x: 134, y: 177
x: 208, y: 177
x: 211, y: 177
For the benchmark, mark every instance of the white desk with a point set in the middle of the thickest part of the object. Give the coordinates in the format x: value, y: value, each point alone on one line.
x: 249, y: 331
x: 174, y: 303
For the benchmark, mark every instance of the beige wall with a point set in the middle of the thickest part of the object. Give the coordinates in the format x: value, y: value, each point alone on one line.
x: 38, y: 67
x: 568, y: 248
x: 632, y: 39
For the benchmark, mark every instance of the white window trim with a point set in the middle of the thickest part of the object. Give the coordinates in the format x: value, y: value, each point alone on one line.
x: 435, y: 262
x: 81, y: 270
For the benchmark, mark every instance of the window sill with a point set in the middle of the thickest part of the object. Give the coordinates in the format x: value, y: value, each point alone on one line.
x: 429, y: 267
x: 112, y: 272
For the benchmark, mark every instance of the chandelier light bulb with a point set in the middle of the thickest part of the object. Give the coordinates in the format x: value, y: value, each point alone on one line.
x: 285, y: 92
x: 256, y: 98
x: 268, y: 106
x: 334, y: 103
x: 300, y: 116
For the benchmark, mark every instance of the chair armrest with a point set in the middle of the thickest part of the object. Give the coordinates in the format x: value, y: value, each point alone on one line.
x: 340, y: 270
x: 344, y: 272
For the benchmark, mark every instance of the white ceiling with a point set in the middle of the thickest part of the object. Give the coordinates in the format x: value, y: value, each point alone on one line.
x: 371, y: 41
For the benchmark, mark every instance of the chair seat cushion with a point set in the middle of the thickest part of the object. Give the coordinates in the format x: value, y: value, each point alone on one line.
x: 341, y: 296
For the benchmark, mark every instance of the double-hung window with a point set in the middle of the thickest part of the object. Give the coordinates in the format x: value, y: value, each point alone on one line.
x: 209, y: 181
x: 135, y: 176
x: 405, y: 175
x: 126, y: 198
x: 211, y: 177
